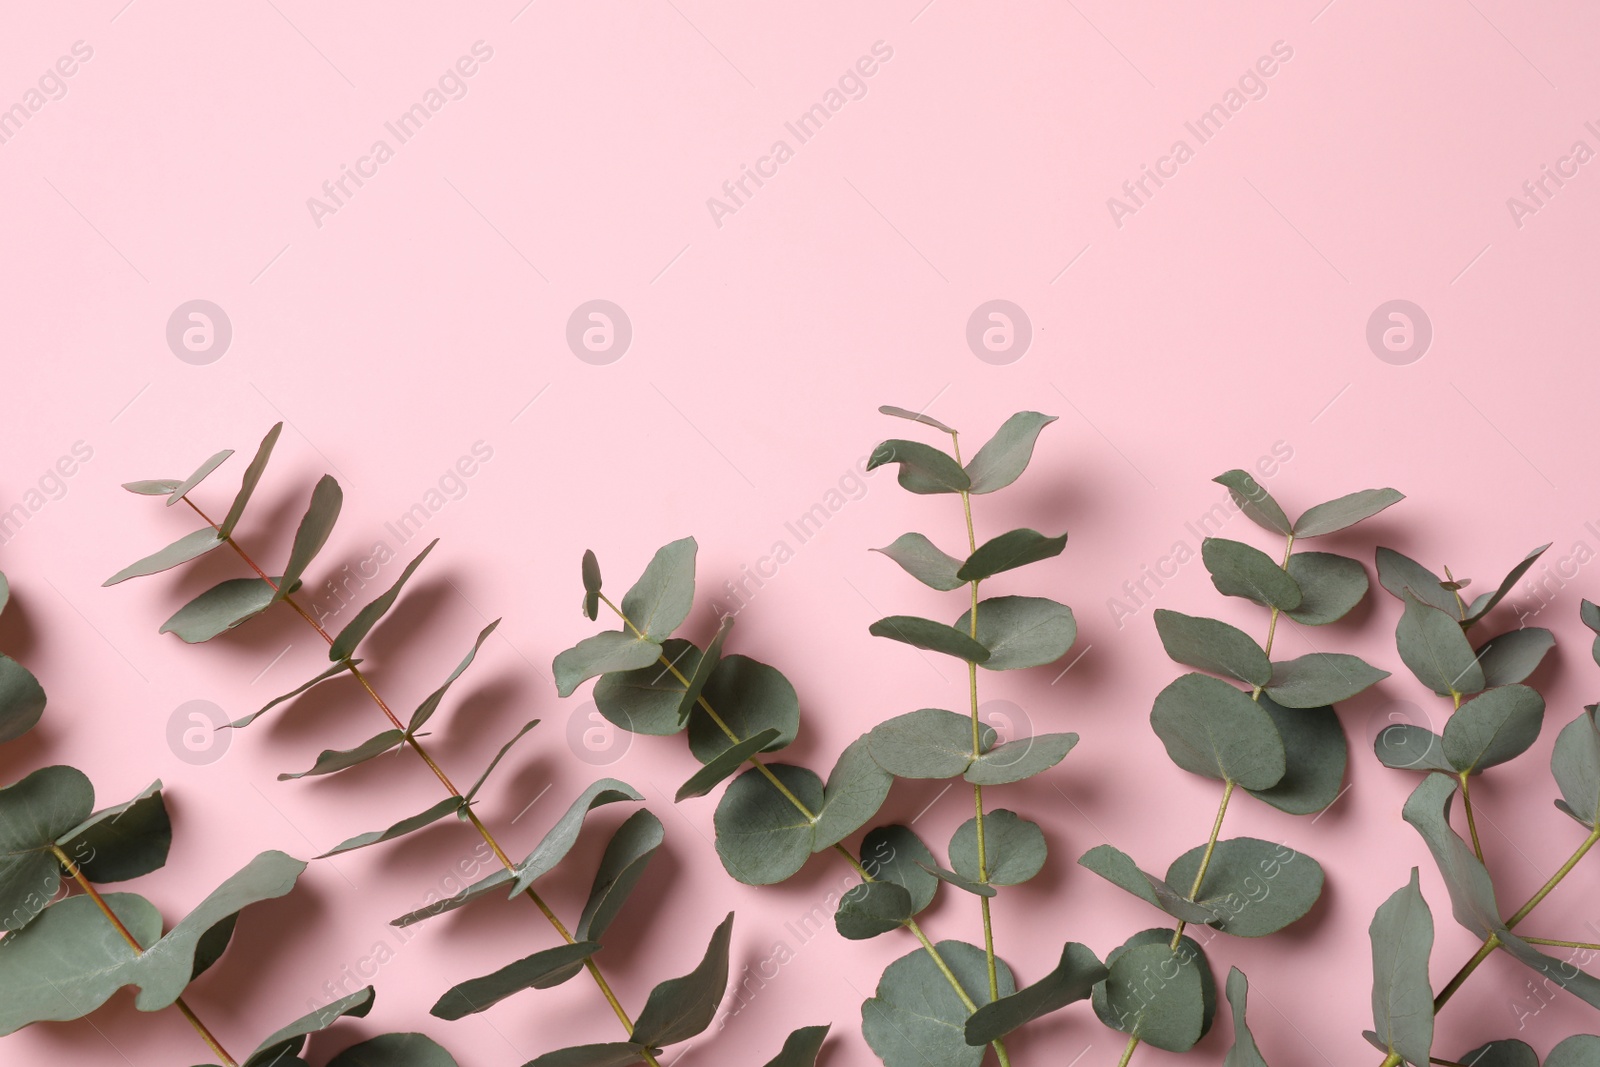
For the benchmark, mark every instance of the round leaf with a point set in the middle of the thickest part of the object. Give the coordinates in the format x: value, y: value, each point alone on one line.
x: 1315, y: 755
x: 749, y: 697
x: 646, y: 700
x: 22, y: 699
x: 894, y: 854
x: 1493, y: 727
x: 1237, y: 569
x: 1017, y: 760
x: 1014, y: 846
x: 761, y: 837
x: 1165, y: 997
x: 1212, y: 729
x: 33, y: 813
x: 1512, y: 656
x: 1330, y: 586
x: 1257, y: 887
x: 916, y: 1019
x: 1021, y: 631
x: 872, y: 908
x: 929, y: 743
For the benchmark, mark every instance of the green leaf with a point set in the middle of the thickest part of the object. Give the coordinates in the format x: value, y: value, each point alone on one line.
x: 1508, y: 1053
x: 800, y: 1048
x: 487, y: 771
x: 1344, y: 512
x: 323, y: 511
x: 857, y: 787
x: 1402, y: 999
x: 1073, y: 979
x: 923, y: 469
x: 1212, y: 729
x: 1315, y: 756
x: 933, y: 636
x: 70, y: 961
x: 22, y: 699
x: 1579, y: 1050
x: 1486, y: 603
x: 607, y: 1054
x: 591, y: 585
x: 152, y: 487
x: 627, y: 855
x: 1013, y: 549
x: 610, y: 650
x: 1244, y: 1052
x: 1321, y: 678
x: 1017, y: 760
x: 448, y: 806
x: 481, y: 888
x: 648, y: 699
x: 1512, y: 656
x: 1575, y: 764
x: 1436, y: 651
x: 127, y: 840
x: 1411, y: 748
x: 1021, y: 631
x: 681, y: 1008
x: 924, y: 561
x: 702, y: 671
x: 928, y: 743
x: 893, y: 853
x: 1256, y: 503
x: 872, y: 908
x: 200, y: 474
x: 292, y: 1038
x: 914, y: 416
x: 189, y: 546
x: 1014, y: 846
x: 336, y: 669
x: 542, y: 970
x: 968, y: 885
x: 1239, y: 570
x: 34, y: 812
x: 1493, y: 727
x: 1165, y: 997
x: 395, y: 1050
x: 749, y: 697
x: 1212, y: 646
x: 724, y: 764
x: 1398, y: 573
x: 344, y: 646
x: 426, y: 709
x: 247, y: 484
x: 761, y: 837
x: 221, y: 608
x: 1120, y: 870
x: 1004, y: 457
x: 1561, y: 973
x: 333, y: 760
x: 1590, y: 614
x: 916, y: 1020
x: 1472, y: 901
x: 564, y: 834
x: 660, y: 600
x: 1256, y: 887
x: 1330, y: 586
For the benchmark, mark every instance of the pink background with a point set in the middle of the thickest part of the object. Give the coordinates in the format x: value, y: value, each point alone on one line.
x: 1228, y: 313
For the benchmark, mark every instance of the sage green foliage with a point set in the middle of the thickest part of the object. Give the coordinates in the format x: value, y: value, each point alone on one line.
x: 1402, y: 1001
x: 22, y: 698
x: 915, y: 1017
x: 542, y: 970
x: 1162, y: 995
x: 1252, y: 887
x: 1073, y: 979
x: 1244, y: 1052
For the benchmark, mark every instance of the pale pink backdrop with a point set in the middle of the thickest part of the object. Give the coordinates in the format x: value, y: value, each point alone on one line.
x: 1224, y: 316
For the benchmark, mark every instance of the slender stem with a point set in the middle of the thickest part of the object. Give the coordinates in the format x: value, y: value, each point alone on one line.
x: 472, y: 816
x: 1205, y: 857
x: 1472, y: 823
x: 1590, y: 945
x: 1127, y: 1053
x: 1484, y: 952
x: 133, y: 943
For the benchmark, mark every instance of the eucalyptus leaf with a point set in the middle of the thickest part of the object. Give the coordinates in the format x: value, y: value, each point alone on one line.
x: 344, y: 646
x: 558, y: 841
x: 1315, y: 756
x: 749, y: 697
x: 1344, y: 512
x: 1486, y: 603
x: 915, y: 1018
x: 127, y: 840
x: 22, y: 699
x: 331, y: 672
x: 928, y: 743
x: 924, y: 561
x: 1472, y: 901
x: 292, y: 1038
x: 1575, y: 764
x: 933, y: 636
x: 70, y: 961
x: 1118, y: 868
x: 893, y: 853
x: 1512, y: 656
x: 660, y: 600
x: 333, y: 760
x: 961, y: 882
x: 222, y: 607
x: 627, y: 855
x: 923, y: 469
x: 1017, y: 760
x: 481, y: 888
x: 447, y: 806
x: 34, y: 812
x: 542, y: 970
x: 252, y: 477
x: 1562, y: 973
x: 1004, y: 457
x: 681, y: 1008
x: 1435, y: 649
x: 800, y: 1048
x: 189, y: 546
x: 915, y: 416
x: 152, y: 486
x: 429, y: 706
x: 1398, y: 573
x: 725, y: 764
x: 1508, y: 1053
x: 601, y: 653
x: 856, y: 788
x: 1411, y: 748
x: 607, y: 1054
x: 1015, y: 849
x: 395, y: 1050
x: 1256, y: 503
x: 1165, y: 997
x: 649, y: 699
x: 1579, y: 1050
x: 1212, y: 646
x: 1321, y: 678
x: 591, y: 585
x: 1402, y: 1000
x: 1330, y: 586
x: 1244, y: 1052
x: 487, y: 771
x: 701, y: 671
x: 1239, y: 570
x: 1073, y: 979
x: 1256, y: 887
x: 761, y: 837
x: 1010, y: 550
x: 321, y: 514
x: 1021, y: 631
x: 200, y: 474
x: 1212, y: 729
x: 872, y: 908
x: 1495, y: 726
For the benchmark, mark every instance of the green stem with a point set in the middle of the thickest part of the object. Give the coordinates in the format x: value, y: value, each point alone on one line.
x: 1589, y: 945
x: 1127, y: 1053
x: 1205, y: 858
x: 1472, y: 822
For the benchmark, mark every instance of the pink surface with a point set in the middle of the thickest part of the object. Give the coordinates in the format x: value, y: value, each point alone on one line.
x: 1216, y: 319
